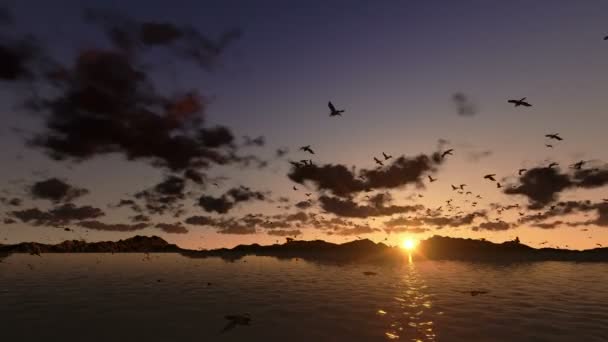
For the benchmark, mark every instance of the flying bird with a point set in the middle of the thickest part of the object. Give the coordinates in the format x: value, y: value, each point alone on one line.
x: 554, y: 136
x: 431, y: 179
x: 307, y: 149
x: 334, y: 111
x: 549, y: 145
x: 308, y: 194
x: 462, y: 186
x: 552, y: 165
x: 490, y: 177
x: 521, y: 171
x: 386, y: 156
x: 448, y: 152
x: 454, y: 187
x: 498, y: 185
x: 521, y: 102
x: 294, y: 188
x: 378, y: 161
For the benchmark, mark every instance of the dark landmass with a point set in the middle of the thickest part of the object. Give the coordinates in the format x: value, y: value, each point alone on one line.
x: 434, y: 248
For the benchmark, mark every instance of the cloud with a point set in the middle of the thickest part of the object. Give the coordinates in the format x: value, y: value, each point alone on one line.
x: 410, y: 230
x: 15, y: 202
x: 164, y: 196
x: 355, y: 230
x: 258, y: 141
x: 61, y: 215
x: 173, y: 228
x: 56, y: 190
x: 542, y: 185
x: 114, y: 227
x: 464, y: 105
x: 303, y: 205
x: 200, y: 221
x: 227, y: 201
x: 284, y: 232
x: 348, y: 208
x: 493, y: 226
x: 343, y: 182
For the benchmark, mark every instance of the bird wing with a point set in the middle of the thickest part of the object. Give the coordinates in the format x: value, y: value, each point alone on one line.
x: 331, y: 106
x: 526, y: 104
x: 512, y: 101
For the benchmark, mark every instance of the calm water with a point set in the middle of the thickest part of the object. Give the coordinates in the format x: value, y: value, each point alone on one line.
x: 95, y: 297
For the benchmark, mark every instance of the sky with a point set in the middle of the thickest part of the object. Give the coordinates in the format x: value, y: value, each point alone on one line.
x: 107, y: 101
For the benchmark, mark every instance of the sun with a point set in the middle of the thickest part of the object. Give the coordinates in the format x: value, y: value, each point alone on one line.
x: 409, y: 244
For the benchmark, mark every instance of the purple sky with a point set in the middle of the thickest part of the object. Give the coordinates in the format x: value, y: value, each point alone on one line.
x: 393, y: 66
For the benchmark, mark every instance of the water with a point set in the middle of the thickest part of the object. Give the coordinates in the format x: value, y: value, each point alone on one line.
x: 101, y: 297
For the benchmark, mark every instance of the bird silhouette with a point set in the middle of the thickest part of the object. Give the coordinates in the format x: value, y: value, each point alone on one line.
x: 308, y: 194
x: 378, y: 161
x: 498, y: 185
x: 521, y: 102
x: 431, y: 179
x: 448, y: 152
x: 334, y: 111
x: 606, y: 38
x: 521, y: 171
x: 578, y: 165
x: 294, y: 188
x: 454, y: 187
x: 552, y: 165
x: 554, y: 136
x: 462, y: 186
x: 386, y: 156
x: 478, y: 196
x: 549, y: 145
x: 307, y: 149
x: 468, y: 193
x: 490, y: 177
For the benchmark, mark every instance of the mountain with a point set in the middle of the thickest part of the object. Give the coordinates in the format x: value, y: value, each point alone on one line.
x: 434, y: 248
x: 140, y: 244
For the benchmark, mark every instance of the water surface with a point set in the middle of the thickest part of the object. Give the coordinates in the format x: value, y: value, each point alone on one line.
x: 168, y: 297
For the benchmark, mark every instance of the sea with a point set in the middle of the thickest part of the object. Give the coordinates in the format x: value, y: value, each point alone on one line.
x: 171, y: 297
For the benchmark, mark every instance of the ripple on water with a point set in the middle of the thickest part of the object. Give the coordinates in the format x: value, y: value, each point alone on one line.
x: 100, y: 297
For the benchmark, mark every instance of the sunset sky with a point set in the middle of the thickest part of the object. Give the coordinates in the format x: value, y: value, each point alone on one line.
x: 110, y: 101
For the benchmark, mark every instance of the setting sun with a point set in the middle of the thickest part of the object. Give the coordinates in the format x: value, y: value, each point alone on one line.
x: 409, y: 244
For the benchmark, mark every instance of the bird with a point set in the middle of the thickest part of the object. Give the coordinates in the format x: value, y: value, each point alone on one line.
x: 552, y: 165
x: 378, y: 161
x: 307, y: 149
x: 605, y: 37
x: 431, y: 179
x: 334, y: 111
x: 454, y: 187
x: 520, y: 171
x: 578, y: 165
x: 498, y: 185
x: 468, y: 193
x: 448, y: 152
x: 308, y: 194
x: 549, y: 145
x: 462, y: 186
x: 521, y: 102
x: 386, y: 157
x: 490, y: 177
x: 235, y: 320
x: 478, y: 196
x: 294, y: 188
x: 554, y: 136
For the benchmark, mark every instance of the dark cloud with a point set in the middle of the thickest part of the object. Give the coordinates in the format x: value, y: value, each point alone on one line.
x: 410, y: 230
x: 493, y: 226
x: 258, y: 141
x: 303, y: 205
x: 237, y: 229
x: 173, y: 228
x: 56, y: 190
x: 348, y: 208
x: 140, y: 218
x: 464, y: 105
x: 227, y: 201
x: 542, y: 185
x: 8, y: 220
x: 200, y: 221
x: 114, y: 227
x: 343, y: 182
x: 284, y: 232
x: 15, y: 202
x: 164, y: 196
x: 61, y: 215
x: 355, y: 230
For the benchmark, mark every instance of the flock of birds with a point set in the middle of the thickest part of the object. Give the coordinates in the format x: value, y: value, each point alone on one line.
x: 460, y: 189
